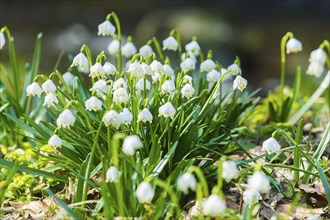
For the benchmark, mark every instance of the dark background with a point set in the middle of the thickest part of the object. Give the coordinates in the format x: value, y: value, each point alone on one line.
x: 250, y: 29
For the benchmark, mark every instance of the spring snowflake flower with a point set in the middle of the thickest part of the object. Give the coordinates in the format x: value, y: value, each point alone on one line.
x: 131, y: 144
x: 146, y: 69
x: 112, y: 175
x: 170, y: 43
x: 140, y: 85
x: 120, y: 96
x: 97, y: 70
x: 145, y: 115
x: 239, y: 83
x: 235, y: 69
x: 81, y: 62
x: 207, y: 65
x: 48, y: 86
x: 168, y: 70
x: 109, y: 68
x: 106, y: 28
x: 317, y: 56
x: 100, y: 87
x: 50, y: 100
x: 315, y: 69
x: 229, y: 170
x: 185, y: 182
x: 193, y: 47
x: 68, y: 78
x: 259, y: 182
x: 213, y: 206
x: 155, y: 77
x: 54, y: 141
x: 113, y: 47
x: 125, y: 117
x: 189, y: 55
x: 187, y: 91
x: 213, y: 76
x: 111, y: 118
x: 65, y: 119
x: 93, y: 104
x: 293, y: 46
x: 33, y: 89
x: 145, y: 50
x: 145, y: 193
x: 128, y: 50
x: 271, y: 146
x: 167, y: 110
x: 136, y: 70
x: 168, y: 86
x: 250, y: 197
x: 156, y: 67
x: 187, y: 80
x: 188, y: 64
x: 119, y: 83
x: 2, y: 40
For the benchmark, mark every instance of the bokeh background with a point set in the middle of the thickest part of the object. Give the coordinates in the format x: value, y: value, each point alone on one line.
x: 250, y: 29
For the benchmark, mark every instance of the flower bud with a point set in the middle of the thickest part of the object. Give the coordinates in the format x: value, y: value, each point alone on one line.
x: 55, y: 141
x: 131, y: 144
x: 144, y: 192
x: 112, y: 175
x: 113, y: 47
x: 239, y: 83
x: 170, y: 43
x: 167, y: 110
x: 2, y: 40
x: 229, y: 170
x: 65, y: 119
x: 185, y: 182
x: 271, y: 146
x: 50, y: 99
x: 93, y: 104
x: 128, y: 50
x: 187, y: 80
x: 145, y: 116
x: 33, y: 89
x: 213, y: 206
x: 106, y: 28
x: 293, y: 46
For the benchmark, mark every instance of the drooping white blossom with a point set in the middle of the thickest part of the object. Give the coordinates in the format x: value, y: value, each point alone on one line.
x: 55, y: 141
x: 66, y: 119
x: 169, y: 71
x: 170, y: 43
x: 48, y: 86
x: 106, y: 28
x: 251, y: 196
x: 2, y: 40
x: 97, y: 70
x: 207, y: 65
x: 315, y: 69
x: 131, y: 144
x: 193, y: 47
x: 146, y: 69
x: 235, y: 69
x: 167, y: 110
x: 81, y: 62
x: 213, y: 76
x: 140, y: 84
x: 259, y: 182
x: 168, y: 86
x: 293, y: 46
x: 112, y: 175
x: 185, y: 182
x: 317, y: 56
x: 125, y: 117
x: 213, y: 206
x: 128, y: 50
x: 271, y: 146
x: 33, y: 89
x: 144, y: 192
x: 145, y: 51
x: 100, y: 87
x: 188, y: 64
x: 187, y: 80
x: 239, y: 83
x: 156, y: 67
x: 109, y: 68
x: 93, y: 104
x: 50, y: 100
x: 119, y: 83
x: 113, y: 47
x: 136, y: 70
x: 145, y: 115
x: 112, y: 118
x: 120, y: 96
x: 229, y: 170
x: 187, y: 91
x: 68, y: 78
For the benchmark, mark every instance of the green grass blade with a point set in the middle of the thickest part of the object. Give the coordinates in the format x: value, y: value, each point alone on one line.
x: 324, y: 180
x: 8, y: 180
x: 160, y: 166
x: 63, y: 205
x: 296, y: 161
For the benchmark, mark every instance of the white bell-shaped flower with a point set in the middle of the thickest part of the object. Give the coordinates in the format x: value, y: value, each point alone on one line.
x: 33, y: 89
x: 93, y: 104
x: 50, y: 100
x: 146, y: 69
x: 112, y: 175
x: 259, y: 182
x: 187, y: 80
x: 48, y: 86
x: 207, y: 65
x: 168, y: 70
x: 66, y: 119
x: 155, y: 77
x: 81, y: 62
x: 2, y: 40
x: 227, y: 76
x: 170, y: 43
x: 213, y: 76
x: 145, y: 50
x: 54, y: 141
x: 145, y: 193
x: 120, y: 96
x: 97, y: 70
x: 190, y: 55
x: 318, y: 56
x: 168, y: 86
x: 145, y: 115
x: 100, y: 87
x: 156, y: 67
x: 131, y: 144
x: 185, y: 182
x: 187, y: 91
x: 167, y: 110
x: 106, y: 28
x: 315, y: 69
x: 188, y: 64
x: 125, y: 117
x: 193, y: 47
x: 213, y: 206
x: 293, y: 46
x: 136, y: 70
x: 119, y: 83
x: 271, y: 146
x: 140, y: 84
x: 229, y: 170
x: 113, y: 47
x: 239, y: 83
x: 250, y: 197
x: 235, y: 69
x: 128, y: 50
x: 109, y: 68
x: 68, y: 78
x: 111, y: 118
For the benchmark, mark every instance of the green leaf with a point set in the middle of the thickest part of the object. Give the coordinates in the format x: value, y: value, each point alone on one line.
x: 64, y: 205
x: 160, y: 166
x: 325, y: 181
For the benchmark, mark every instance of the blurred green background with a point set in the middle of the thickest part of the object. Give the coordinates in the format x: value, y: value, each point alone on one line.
x: 250, y: 29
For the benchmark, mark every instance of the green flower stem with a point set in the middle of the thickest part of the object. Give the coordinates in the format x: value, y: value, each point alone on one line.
x: 290, y: 167
x: 100, y: 57
x: 201, y: 178
x: 285, y: 38
x: 59, y: 76
x: 296, y: 159
x: 176, y: 34
x: 145, y: 87
x: 116, y: 20
x: 169, y: 130
x: 218, y: 189
x: 89, y: 166
x: 86, y: 49
x: 158, y: 48
x: 324, y: 85
x: 326, y: 44
x: 169, y: 190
